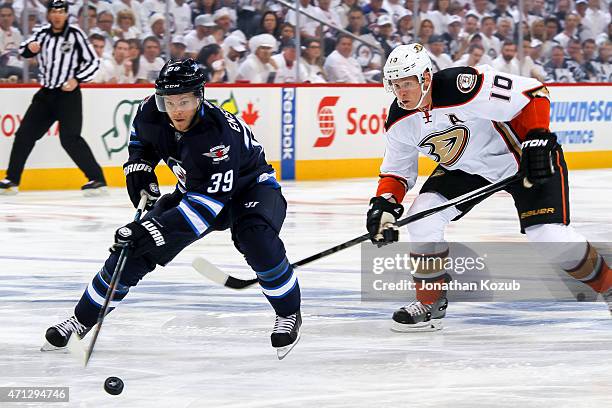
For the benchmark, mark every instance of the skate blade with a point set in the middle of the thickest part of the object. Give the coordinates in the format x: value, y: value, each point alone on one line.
x: 96, y: 192
x: 281, y: 352
x: 8, y: 191
x: 430, y: 326
x: 50, y: 347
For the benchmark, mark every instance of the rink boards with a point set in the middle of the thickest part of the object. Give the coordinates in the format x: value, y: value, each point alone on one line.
x: 308, y: 131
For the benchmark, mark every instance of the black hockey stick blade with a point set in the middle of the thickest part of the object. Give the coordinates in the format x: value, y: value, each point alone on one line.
x: 217, y: 275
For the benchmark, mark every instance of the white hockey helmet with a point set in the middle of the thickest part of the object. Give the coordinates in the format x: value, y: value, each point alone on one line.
x: 406, y: 61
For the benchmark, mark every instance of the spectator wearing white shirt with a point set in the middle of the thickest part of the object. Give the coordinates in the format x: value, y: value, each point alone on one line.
x: 439, y: 16
x: 311, y: 60
x: 258, y: 67
x: 528, y: 66
x: 118, y: 68
x: 223, y: 19
x: 233, y: 49
x: 491, y: 43
x: 181, y: 12
x: 150, y: 62
x: 595, y: 18
x: 439, y: 59
x: 104, y: 27
x: 569, y: 31
x: 157, y: 27
x: 396, y: 9
x: 481, y: 8
x: 137, y: 10
x: 340, y: 66
x: 310, y: 28
x: 201, y: 35
x: 286, y: 68
x: 10, y: 39
x: 126, y: 25
x: 474, y: 56
x: 507, y: 62
x: 329, y: 15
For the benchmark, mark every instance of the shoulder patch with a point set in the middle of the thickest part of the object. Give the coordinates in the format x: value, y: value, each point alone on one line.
x: 466, y: 82
x: 455, y: 86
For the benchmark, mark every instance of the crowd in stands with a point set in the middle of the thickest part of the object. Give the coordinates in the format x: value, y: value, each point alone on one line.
x: 254, y: 41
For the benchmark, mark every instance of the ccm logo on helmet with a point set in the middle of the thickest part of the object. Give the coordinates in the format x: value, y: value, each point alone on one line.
x: 535, y: 143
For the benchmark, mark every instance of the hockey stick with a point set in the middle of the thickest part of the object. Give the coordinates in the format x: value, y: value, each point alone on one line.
x: 112, y: 286
x: 215, y: 274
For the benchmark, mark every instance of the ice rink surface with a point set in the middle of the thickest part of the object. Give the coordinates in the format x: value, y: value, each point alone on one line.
x: 179, y: 340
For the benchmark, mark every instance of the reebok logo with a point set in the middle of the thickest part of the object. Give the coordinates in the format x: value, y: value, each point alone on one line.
x: 535, y: 143
x: 155, y: 234
x: 130, y: 168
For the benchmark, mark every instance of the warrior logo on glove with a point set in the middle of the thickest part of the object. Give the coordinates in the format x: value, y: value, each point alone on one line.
x: 124, y: 232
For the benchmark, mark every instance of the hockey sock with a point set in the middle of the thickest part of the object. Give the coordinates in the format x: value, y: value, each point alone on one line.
x: 429, y: 275
x: 280, y: 286
x: 592, y: 270
x: 92, y: 300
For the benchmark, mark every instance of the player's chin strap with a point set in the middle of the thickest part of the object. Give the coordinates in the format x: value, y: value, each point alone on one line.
x: 215, y: 274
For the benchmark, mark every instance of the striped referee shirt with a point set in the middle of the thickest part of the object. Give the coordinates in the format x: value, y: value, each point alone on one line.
x: 64, y: 55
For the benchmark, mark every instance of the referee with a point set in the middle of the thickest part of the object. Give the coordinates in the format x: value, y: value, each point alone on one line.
x: 65, y: 59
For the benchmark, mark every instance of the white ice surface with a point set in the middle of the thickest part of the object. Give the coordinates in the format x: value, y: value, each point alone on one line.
x: 181, y: 341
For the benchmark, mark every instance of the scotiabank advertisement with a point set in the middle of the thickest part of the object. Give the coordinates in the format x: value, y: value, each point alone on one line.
x: 341, y: 123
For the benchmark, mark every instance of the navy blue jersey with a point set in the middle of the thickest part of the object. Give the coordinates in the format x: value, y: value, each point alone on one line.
x: 215, y: 160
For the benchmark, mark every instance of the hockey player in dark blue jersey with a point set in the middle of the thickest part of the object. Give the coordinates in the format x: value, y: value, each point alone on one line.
x: 224, y: 182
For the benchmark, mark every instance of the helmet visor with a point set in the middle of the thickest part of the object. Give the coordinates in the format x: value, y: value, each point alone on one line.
x: 174, y: 103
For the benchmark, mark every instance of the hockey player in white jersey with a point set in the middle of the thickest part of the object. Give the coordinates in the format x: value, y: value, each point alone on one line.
x: 480, y: 126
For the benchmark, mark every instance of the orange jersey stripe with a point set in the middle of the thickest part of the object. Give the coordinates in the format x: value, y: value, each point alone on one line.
x: 535, y: 115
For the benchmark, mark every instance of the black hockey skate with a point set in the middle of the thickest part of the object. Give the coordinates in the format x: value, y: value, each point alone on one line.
x: 420, y: 317
x: 7, y: 187
x: 57, y: 336
x: 94, y: 188
x: 286, y: 333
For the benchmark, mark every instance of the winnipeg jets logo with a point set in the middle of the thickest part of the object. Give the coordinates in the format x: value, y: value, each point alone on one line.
x: 446, y: 147
x: 218, y: 153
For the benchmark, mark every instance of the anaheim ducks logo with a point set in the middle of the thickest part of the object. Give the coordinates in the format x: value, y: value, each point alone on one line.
x: 446, y: 147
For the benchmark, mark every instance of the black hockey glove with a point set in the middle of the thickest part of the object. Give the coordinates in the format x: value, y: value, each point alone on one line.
x: 381, y: 217
x: 139, y: 176
x: 536, y: 160
x: 170, y: 200
x: 140, y: 238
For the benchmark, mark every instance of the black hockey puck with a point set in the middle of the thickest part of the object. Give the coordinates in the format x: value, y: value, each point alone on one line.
x: 113, y: 385
x: 580, y: 297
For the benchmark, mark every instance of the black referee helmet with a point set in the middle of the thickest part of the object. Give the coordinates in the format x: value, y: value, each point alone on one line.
x: 57, y: 4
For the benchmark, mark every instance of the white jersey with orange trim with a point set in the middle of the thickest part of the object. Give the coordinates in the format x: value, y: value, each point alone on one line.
x: 477, y: 119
